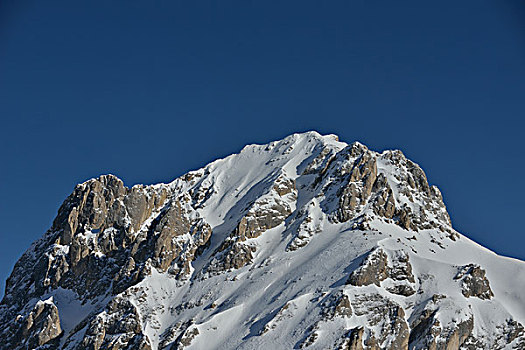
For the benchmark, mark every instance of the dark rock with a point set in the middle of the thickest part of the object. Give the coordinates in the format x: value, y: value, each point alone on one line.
x: 386, y: 317
x: 373, y: 270
x: 359, y: 183
x: 262, y: 215
x: 337, y: 305
x: 428, y: 333
x: 474, y: 283
x: 354, y: 339
x: 376, y: 268
x: 118, y: 327
x: 40, y: 327
x: 185, y: 338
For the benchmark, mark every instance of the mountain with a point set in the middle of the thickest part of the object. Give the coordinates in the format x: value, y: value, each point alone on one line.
x: 306, y: 242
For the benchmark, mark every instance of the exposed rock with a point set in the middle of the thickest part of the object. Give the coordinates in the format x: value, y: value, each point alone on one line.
x: 454, y: 338
x: 508, y: 335
x: 118, y: 327
x: 425, y: 331
x: 320, y: 163
x: 400, y: 272
x: 337, y: 305
x: 172, y: 250
x: 474, y: 283
x: 172, y: 333
x: 360, y: 178
x: 384, y: 203
x: 235, y: 256
x: 511, y: 332
x: 385, y: 322
x: 265, y: 213
x: 102, y: 239
x: 414, y: 187
x: 429, y: 333
x: 353, y: 339
x: 373, y: 270
x: 88, y: 239
x: 309, y: 340
x: 41, y: 327
x: 377, y: 267
x: 287, y: 311
x: 185, y: 338
x: 359, y: 181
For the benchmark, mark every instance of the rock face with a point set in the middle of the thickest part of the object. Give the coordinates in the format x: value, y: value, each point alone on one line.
x: 377, y: 267
x: 268, y: 211
x: 306, y: 242
x: 473, y: 282
x: 118, y: 327
x: 429, y: 333
x: 107, y: 238
x: 386, y: 325
x: 41, y: 326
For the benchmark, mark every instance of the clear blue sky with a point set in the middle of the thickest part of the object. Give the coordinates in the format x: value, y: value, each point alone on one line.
x: 149, y: 90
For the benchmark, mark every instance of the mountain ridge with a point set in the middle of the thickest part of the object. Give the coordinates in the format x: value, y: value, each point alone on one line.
x: 305, y: 242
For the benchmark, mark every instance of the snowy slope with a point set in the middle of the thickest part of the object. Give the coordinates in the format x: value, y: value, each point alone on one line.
x: 306, y: 242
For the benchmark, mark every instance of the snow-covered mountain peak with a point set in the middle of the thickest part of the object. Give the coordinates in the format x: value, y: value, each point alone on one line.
x: 304, y: 242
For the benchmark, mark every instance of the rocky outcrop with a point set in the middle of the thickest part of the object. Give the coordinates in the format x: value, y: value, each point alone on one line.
x: 267, y: 212
x: 384, y: 203
x: 185, y: 338
x: 89, y: 239
x: 383, y: 323
x: 353, y: 340
x: 358, y: 179
x: 333, y: 308
x: 105, y: 239
x: 337, y: 305
x: 39, y: 328
x: 117, y: 327
x: 455, y: 337
x: 378, y: 267
x: 175, y: 334
x: 360, y: 176
x: 320, y: 162
x: 287, y: 311
x: 386, y: 327
x: 179, y: 234
x: 509, y: 335
x: 105, y: 229
x: 428, y: 332
x: 373, y: 270
x: 425, y: 331
x: 400, y: 274
x: 412, y: 186
x: 474, y: 283
x: 104, y: 203
x: 233, y: 255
